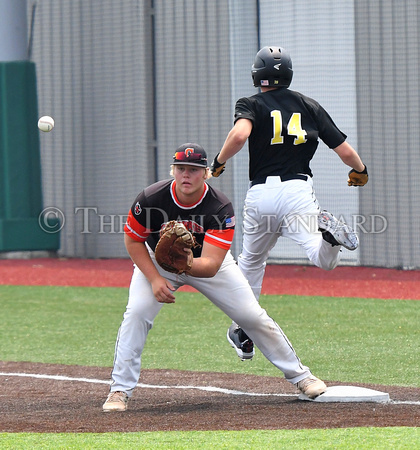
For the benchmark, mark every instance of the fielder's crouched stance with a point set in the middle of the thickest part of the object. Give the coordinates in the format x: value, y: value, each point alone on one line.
x: 208, y: 215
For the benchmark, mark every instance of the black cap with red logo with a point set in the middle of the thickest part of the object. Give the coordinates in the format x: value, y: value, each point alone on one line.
x: 191, y: 155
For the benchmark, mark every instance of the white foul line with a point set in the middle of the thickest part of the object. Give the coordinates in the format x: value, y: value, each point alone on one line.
x: 142, y: 385
x: 155, y: 386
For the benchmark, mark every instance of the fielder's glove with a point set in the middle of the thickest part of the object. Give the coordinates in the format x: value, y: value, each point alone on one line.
x: 358, y: 178
x: 217, y: 168
x: 170, y: 251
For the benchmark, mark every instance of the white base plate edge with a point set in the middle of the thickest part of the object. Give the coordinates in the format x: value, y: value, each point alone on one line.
x: 349, y: 394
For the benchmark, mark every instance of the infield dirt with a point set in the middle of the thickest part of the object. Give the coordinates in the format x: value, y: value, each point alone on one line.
x: 31, y: 404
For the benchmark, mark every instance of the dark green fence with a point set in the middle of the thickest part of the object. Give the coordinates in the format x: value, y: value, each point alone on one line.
x: 23, y: 225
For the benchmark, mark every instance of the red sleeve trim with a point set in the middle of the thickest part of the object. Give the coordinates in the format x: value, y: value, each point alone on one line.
x: 135, y: 230
x: 220, y: 238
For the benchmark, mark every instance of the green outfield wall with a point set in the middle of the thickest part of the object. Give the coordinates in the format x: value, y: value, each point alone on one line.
x: 23, y: 225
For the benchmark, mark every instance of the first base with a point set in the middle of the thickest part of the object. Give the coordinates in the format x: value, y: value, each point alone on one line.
x: 349, y: 394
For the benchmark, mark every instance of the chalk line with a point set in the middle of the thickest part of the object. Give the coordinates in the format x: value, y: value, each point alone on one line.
x: 156, y: 386
x: 143, y: 385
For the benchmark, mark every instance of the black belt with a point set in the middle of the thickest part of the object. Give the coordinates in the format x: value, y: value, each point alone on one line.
x: 298, y: 176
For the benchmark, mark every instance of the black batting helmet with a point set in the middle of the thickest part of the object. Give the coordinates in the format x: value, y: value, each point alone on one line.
x: 272, y: 67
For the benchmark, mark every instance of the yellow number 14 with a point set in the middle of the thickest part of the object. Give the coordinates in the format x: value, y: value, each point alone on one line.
x: 294, y: 128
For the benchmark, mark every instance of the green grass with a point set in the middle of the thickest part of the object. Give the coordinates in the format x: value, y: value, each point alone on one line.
x: 340, y: 339
x: 352, y: 340
x: 342, y: 438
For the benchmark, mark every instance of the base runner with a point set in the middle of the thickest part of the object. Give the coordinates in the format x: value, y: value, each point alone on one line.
x: 283, y: 128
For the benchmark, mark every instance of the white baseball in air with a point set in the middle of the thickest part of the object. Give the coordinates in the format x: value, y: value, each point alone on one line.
x: 46, y: 123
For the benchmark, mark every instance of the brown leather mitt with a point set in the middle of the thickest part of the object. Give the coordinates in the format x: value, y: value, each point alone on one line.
x: 358, y: 178
x: 170, y: 251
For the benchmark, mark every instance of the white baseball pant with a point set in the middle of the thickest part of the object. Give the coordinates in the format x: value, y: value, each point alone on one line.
x: 229, y: 291
x: 282, y: 209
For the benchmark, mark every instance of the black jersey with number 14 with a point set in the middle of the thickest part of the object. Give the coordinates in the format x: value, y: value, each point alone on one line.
x: 285, y: 133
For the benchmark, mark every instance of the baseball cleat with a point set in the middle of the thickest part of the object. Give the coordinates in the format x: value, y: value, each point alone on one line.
x: 239, y: 340
x: 116, y: 401
x: 336, y: 232
x: 311, y: 386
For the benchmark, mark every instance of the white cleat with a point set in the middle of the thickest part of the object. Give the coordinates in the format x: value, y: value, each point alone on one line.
x: 336, y: 232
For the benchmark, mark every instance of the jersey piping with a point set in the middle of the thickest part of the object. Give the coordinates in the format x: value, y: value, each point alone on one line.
x: 178, y: 203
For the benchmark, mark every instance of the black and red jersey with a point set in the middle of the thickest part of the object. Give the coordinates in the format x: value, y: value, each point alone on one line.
x: 285, y: 133
x: 211, y: 219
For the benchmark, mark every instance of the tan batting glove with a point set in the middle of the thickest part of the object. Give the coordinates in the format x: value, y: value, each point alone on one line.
x: 358, y: 178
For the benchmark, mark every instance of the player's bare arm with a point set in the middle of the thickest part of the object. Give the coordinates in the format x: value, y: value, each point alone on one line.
x: 162, y: 288
x: 358, y: 176
x: 349, y: 156
x: 208, y: 264
x: 235, y: 140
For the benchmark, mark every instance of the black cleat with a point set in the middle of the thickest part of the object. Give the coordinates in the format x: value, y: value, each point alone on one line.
x: 239, y: 340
